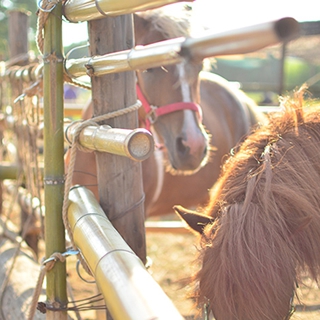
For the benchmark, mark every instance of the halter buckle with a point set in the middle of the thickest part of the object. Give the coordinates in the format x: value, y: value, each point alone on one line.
x: 152, y: 114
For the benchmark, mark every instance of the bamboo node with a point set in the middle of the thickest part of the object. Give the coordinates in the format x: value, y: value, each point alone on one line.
x: 55, y: 306
x: 52, y: 57
x: 50, y: 181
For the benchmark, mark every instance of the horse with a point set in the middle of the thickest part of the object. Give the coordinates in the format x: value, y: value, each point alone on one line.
x: 185, y: 155
x: 262, y: 225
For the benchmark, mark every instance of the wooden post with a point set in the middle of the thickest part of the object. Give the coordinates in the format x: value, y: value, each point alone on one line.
x: 18, y: 33
x: 119, y: 178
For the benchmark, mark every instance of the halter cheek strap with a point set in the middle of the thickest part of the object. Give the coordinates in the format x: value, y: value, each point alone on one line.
x: 153, y: 112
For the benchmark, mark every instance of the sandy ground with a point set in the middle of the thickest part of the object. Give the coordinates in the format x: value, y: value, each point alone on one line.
x: 172, y: 258
x: 173, y: 261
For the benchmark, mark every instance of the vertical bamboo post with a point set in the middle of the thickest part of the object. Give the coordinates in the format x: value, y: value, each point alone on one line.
x: 119, y: 178
x: 53, y: 159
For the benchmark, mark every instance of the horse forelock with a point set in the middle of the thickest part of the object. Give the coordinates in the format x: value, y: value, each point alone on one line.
x: 172, y: 21
x: 266, y: 205
x: 297, y: 128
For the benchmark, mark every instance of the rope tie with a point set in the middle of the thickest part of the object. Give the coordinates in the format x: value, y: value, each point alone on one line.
x: 45, y: 8
x: 73, y: 149
x: 47, y: 265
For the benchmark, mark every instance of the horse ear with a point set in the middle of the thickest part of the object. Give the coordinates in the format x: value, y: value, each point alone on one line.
x: 195, y: 221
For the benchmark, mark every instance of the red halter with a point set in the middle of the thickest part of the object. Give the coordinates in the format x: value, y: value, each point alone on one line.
x: 153, y: 112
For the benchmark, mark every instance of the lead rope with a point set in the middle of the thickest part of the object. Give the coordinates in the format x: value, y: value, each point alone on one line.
x: 46, y: 266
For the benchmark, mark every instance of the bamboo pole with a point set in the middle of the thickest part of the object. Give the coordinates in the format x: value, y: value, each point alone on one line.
x: 53, y: 160
x: 244, y: 40
x: 173, y: 51
x: 141, y: 57
x: 8, y: 171
x: 241, y: 41
x: 129, y: 290
x: 26, y: 74
x: 137, y: 144
x: 86, y: 10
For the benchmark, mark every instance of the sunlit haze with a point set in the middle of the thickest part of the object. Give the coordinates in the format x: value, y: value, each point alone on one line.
x: 225, y: 15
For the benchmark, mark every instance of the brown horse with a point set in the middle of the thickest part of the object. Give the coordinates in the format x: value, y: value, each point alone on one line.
x: 177, y: 172
x: 262, y: 226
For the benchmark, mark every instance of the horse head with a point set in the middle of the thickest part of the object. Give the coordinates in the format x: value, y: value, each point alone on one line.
x: 170, y: 96
x: 260, y: 230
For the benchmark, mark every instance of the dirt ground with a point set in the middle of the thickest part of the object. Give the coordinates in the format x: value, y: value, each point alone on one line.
x: 173, y: 260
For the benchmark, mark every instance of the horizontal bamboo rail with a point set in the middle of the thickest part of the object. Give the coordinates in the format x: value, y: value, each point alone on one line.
x: 29, y: 73
x: 8, y: 170
x: 86, y: 10
x: 137, y: 144
x: 239, y: 41
x: 242, y: 40
x: 129, y: 290
x: 32, y: 204
x: 173, y: 51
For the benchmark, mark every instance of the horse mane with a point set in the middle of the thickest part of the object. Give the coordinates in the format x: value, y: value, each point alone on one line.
x: 267, y: 219
x: 172, y: 20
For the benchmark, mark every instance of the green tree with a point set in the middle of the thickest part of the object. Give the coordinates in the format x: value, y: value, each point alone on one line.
x: 5, y: 7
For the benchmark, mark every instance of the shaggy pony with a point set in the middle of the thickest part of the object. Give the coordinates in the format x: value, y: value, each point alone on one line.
x: 262, y: 226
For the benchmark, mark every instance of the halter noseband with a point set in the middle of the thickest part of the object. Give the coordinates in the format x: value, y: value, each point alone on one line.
x: 153, y: 112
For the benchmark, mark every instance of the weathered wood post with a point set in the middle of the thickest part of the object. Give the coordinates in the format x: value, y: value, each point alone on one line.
x: 119, y: 178
x: 18, y: 34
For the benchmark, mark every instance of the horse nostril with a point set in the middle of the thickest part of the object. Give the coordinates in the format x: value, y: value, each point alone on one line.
x: 182, y: 148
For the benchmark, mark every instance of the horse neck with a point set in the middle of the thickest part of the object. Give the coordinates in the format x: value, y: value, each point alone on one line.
x: 229, y: 108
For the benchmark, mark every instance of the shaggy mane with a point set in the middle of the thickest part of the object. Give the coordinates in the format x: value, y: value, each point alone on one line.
x: 267, y: 219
